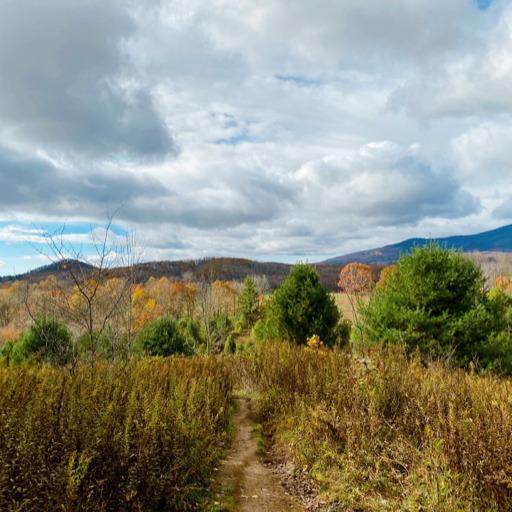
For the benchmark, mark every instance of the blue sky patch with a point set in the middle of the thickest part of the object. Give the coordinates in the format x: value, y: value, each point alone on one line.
x: 484, y: 4
x: 24, y: 247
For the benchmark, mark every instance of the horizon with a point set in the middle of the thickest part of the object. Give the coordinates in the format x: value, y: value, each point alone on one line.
x: 88, y: 257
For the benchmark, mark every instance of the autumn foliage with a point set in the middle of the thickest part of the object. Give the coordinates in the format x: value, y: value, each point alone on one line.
x: 356, y: 279
x: 105, y: 317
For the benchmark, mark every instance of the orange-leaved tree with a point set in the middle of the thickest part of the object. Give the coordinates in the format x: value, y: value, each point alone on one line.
x: 356, y: 282
x: 503, y: 282
x: 386, y: 274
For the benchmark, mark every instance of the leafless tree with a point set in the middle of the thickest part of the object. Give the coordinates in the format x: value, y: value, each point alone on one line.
x: 262, y: 284
x: 90, y: 305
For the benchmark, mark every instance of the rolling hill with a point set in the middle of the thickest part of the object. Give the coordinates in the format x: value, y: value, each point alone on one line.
x: 225, y: 269
x: 496, y: 240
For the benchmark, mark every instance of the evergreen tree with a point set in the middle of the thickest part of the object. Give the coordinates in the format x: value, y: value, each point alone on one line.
x: 301, y: 307
x: 248, y: 302
x: 47, y: 339
x: 435, y: 300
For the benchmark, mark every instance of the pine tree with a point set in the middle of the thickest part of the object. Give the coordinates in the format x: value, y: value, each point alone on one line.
x: 248, y: 302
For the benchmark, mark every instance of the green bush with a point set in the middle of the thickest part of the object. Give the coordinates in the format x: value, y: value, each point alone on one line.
x: 342, y: 333
x: 435, y: 301
x: 103, y: 344
x: 5, y: 351
x: 299, y: 308
x: 240, y: 325
x: 230, y: 345
x: 191, y: 331
x: 220, y: 327
x: 161, y: 337
x: 266, y: 328
x: 47, y: 339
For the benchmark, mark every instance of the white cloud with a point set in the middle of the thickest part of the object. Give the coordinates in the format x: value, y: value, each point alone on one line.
x: 384, y: 184
x: 15, y: 234
x: 301, y: 36
x: 246, y: 128
x: 484, y: 151
x: 475, y: 83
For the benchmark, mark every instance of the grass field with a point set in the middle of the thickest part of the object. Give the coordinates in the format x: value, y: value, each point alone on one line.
x: 390, y: 434
x: 386, y: 433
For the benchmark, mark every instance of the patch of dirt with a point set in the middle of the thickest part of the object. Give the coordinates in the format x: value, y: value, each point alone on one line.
x: 296, y: 484
x: 255, y: 487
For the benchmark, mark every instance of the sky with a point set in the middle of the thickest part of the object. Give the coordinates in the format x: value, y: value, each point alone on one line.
x: 276, y: 130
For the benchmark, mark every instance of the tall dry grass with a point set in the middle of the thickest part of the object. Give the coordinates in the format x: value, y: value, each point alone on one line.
x: 390, y: 434
x: 120, y: 437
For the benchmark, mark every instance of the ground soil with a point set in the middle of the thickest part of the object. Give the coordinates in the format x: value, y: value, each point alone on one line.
x: 255, y: 483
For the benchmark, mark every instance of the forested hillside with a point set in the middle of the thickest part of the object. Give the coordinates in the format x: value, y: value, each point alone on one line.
x: 224, y: 269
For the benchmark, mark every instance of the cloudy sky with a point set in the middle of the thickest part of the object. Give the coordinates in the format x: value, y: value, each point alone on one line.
x: 277, y: 130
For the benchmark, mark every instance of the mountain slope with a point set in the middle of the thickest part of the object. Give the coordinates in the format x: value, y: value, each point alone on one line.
x: 495, y: 240
x: 224, y: 269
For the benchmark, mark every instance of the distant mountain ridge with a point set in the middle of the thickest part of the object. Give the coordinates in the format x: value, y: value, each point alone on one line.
x: 225, y: 269
x: 497, y: 240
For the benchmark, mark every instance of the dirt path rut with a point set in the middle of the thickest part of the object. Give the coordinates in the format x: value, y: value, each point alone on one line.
x: 242, y: 474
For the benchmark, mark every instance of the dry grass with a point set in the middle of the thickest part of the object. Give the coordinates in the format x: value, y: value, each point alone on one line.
x: 383, y: 434
x: 390, y: 434
x: 126, y: 437
x: 345, y: 307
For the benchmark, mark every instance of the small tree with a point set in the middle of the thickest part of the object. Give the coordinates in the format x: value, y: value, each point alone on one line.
x: 220, y: 328
x: 435, y: 300
x: 248, y: 302
x: 96, y: 302
x: 302, y: 307
x: 206, y: 306
x: 162, y: 337
x: 190, y: 329
x: 356, y: 282
x: 230, y: 345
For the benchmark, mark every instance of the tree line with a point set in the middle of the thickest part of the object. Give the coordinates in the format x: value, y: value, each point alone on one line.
x: 434, y: 300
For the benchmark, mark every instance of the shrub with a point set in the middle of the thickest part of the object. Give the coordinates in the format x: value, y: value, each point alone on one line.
x: 266, y: 328
x: 390, y: 433
x: 240, y: 325
x: 191, y: 331
x: 230, y: 345
x: 142, y: 435
x: 161, y: 337
x: 5, y: 351
x: 102, y: 343
x: 435, y: 301
x: 47, y: 339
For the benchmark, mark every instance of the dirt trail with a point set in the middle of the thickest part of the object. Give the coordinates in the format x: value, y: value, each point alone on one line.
x: 242, y: 474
